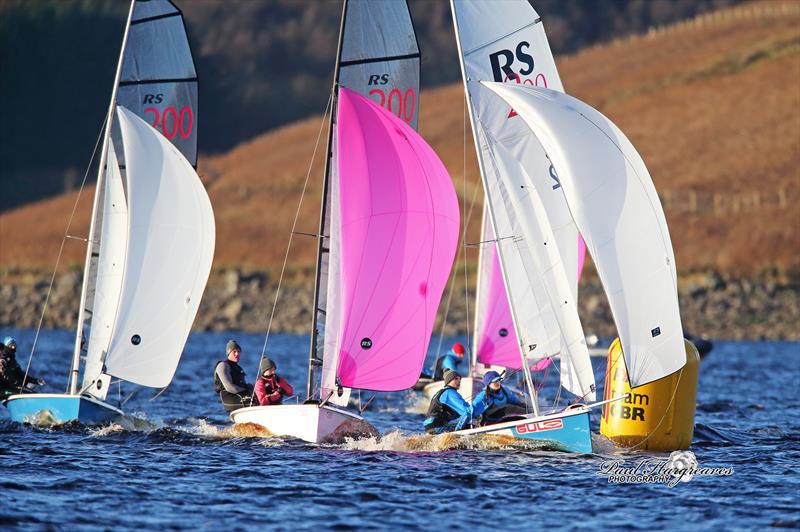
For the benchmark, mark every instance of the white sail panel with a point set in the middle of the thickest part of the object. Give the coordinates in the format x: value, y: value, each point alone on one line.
x: 171, y: 238
x: 535, y: 323
x: 108, y: 283
x: 534, y: 242
x: 504, y: 41
x: 614, y: 203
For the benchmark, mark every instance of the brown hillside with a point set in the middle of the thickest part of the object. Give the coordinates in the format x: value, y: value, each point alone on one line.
x: 713, y: 106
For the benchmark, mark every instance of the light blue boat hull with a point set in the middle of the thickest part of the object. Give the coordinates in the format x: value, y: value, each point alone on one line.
x: 38, y: 408
x: 565, y: 431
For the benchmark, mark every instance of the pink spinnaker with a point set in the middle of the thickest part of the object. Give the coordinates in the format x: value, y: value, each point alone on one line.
x: 581, y: 255
x: 399, y: 230
x: 497, y: 341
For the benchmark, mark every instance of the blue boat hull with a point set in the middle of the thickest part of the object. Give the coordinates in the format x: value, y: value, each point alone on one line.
x: 565, y: 431
x: 37, y: 408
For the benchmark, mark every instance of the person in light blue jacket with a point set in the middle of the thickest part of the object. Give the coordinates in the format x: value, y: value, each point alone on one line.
x: 450, y: 360
x: 495, y: 402
x: 448, y: 406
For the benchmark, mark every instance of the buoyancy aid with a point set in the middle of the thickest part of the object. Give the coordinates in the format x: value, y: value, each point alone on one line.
x: 441, y: 413
x: 237, y: 375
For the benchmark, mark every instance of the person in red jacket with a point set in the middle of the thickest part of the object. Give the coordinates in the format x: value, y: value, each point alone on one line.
x: 270, y: 388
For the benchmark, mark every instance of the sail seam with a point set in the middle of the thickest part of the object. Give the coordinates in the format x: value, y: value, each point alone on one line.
x: 156, y: 17
x: 379, y: 59
x: 151, y: 81
x: 481, y: 47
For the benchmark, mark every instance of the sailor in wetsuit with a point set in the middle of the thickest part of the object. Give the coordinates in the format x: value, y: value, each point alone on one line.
x: 495, y: 402
x: 11, y: 375
x: 229, y: 380
x: 448, y: 406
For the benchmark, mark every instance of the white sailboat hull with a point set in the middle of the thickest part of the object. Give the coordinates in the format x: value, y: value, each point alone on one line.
x: 311, y: 422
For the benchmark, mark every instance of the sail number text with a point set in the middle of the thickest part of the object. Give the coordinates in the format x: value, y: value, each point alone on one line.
x: 399, y: 103
x: 172, y: 122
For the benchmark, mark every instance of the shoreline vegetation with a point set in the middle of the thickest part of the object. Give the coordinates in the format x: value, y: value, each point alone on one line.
x: 713, y: 304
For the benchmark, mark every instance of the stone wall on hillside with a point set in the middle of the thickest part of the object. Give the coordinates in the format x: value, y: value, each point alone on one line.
x: 711, y: 304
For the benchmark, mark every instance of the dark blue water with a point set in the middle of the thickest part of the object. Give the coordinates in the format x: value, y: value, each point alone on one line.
x: 175, y: 462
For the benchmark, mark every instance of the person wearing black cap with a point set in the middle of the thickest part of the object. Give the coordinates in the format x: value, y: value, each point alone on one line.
x: 229, y: 380
x: 270, y: 388
x: 448, y: 406
x: 12, y: 378
x: 495, y: 402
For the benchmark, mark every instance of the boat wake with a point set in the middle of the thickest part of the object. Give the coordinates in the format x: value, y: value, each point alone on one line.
x: 427, y: 443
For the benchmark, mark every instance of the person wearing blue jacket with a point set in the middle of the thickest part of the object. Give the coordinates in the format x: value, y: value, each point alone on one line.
x: 448, y: 406
x: 494, y: 402
x: 450, y: 360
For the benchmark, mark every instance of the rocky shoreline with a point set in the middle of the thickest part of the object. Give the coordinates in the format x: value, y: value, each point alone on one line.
x: 712, y: 304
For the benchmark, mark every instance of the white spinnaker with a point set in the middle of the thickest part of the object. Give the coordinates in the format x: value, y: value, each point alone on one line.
x: 615, y: 205
x: 108, y: 282
x: 533, y: 243
x: 504, y: 41
x: 171, y: 238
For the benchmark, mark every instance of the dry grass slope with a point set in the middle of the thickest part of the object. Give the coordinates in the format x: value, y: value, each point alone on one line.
x: 713, y: 105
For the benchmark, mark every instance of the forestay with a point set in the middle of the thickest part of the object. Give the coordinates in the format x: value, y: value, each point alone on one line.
x: 398, y: 228
x: 614, y: 203
x: 168, y: 258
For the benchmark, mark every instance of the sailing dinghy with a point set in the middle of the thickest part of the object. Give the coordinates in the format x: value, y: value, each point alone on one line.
x: 388, y: 231
x: 152, y: 228
x: 552, y: 166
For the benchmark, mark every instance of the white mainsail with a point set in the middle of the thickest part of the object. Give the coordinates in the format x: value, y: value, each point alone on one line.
x: 168, y: 257
x: 505, y: 41
x: 108, y: 280
x: 615, y: 205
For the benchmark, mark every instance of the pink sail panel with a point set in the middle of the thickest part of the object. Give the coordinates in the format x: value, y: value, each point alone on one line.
x: 399, y: 226
x: 497, y: 341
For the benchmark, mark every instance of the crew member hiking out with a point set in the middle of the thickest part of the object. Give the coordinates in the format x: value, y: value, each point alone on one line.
x: 12, y: 377
x: 271, y: 388
x: 495, y: 402
x: 448, y: 406
x: 229, y: 380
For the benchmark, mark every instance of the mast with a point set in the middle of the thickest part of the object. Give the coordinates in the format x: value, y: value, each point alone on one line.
x: 313, y: 361
x: 76, y: 354
x: 482, y: 168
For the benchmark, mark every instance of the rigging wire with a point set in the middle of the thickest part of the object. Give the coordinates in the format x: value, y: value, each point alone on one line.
x: 60, y: 253
x: 464, y: 237
x: 328, y: 109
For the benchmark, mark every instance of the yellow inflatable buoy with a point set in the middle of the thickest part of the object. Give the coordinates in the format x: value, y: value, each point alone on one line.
x: 658, y: 416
